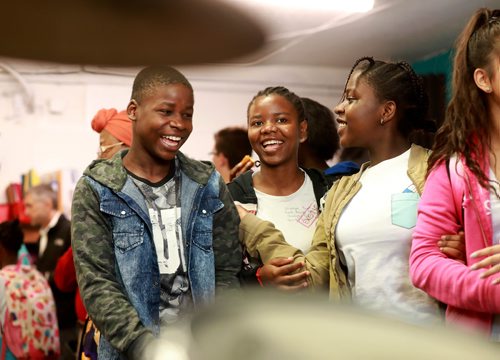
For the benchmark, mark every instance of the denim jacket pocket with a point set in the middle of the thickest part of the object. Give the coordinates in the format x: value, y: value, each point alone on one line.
x: 128, y: 228
x: 203, y: 223
x: 404, y: 209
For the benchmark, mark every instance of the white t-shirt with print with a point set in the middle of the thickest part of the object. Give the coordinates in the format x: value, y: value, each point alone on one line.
x: 294, y: 215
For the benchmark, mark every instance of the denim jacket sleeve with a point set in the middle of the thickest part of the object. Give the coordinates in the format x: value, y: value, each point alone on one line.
x: 226, y: 244
x: 103, y: 296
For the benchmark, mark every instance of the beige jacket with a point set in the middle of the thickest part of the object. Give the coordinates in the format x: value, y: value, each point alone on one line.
x: 262, y: 238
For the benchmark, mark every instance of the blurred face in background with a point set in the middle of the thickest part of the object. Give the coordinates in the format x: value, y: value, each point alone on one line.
x: 38, y: 209
x: 108, y: 145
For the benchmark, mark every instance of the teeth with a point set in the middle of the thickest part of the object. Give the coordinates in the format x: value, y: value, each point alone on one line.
x: 173, y: 138
x: 272, y: 142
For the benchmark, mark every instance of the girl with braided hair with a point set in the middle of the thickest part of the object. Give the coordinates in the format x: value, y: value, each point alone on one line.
x: 280, y: 191
x: 462, y: 189
x: 362, y: 239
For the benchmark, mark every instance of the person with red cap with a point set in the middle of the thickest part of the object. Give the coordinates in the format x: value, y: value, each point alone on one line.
x: 115, y: 131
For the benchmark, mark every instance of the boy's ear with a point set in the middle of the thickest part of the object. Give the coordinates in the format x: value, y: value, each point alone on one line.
x: 482, y: 80
x: 131, y: 109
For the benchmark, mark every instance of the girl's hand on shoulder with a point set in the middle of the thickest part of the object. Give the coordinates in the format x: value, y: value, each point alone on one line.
x: 492, y: 260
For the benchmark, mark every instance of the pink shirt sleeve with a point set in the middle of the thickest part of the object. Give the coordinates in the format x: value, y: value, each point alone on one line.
x: 447, y: 280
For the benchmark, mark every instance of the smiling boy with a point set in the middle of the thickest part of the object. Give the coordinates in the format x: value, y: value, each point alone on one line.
x: 155, y: 234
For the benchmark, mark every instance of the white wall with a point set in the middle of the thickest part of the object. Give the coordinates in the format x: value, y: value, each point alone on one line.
x: 56, y: 133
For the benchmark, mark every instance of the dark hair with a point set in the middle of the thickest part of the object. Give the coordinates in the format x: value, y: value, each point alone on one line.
x: 322, y: 137
x: 150, y: 77
x: 233, y: 143
x: 397, y: 82
x: 292, y: 98
x: 466, y: 128
x: 11, y: 236
x: 46, y: 191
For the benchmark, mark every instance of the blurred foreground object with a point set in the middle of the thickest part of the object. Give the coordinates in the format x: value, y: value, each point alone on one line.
x: 126, y: 32
x: 279, y: 327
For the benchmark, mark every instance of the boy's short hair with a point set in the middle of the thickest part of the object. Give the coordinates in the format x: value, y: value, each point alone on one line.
x: 152, y: 76
x: 11, y: 236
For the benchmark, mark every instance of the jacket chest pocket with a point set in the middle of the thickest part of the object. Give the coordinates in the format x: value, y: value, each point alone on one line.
x: 203, y: 223
x: 205, y: 215
x: 127, y: 227
x: 404, y: 209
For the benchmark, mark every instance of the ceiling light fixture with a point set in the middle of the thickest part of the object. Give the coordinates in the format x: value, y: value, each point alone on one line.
x: 323, y: 5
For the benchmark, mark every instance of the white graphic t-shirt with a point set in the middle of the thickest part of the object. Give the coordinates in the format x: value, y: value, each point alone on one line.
x: 163, y: 200
x: 295, y: 215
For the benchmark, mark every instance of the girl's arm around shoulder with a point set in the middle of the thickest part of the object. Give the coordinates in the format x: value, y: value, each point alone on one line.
x: 445, y: 279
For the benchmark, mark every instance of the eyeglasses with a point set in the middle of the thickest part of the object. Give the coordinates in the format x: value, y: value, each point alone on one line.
x: 104, y: 148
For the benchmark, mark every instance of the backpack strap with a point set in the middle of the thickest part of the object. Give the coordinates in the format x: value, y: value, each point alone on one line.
x: 4, y: 345
x: 319, y: 182
x: 20, y: 260
x: 4, y: 349
x: 4, y: 342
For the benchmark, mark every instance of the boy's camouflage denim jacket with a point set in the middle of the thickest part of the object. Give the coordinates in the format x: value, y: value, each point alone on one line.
x: 114, y: 252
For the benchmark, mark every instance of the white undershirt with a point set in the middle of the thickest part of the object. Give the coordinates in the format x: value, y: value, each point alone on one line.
x: 44, y: 233
x: 295, y: 215
x: 375, y: 248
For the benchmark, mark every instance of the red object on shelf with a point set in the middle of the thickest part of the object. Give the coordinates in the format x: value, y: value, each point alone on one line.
x: 15, y: 205
x: 4, y: 212
x: 17, y: 212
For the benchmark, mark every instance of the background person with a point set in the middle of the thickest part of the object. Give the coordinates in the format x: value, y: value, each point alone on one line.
x: 55, y: 239
x: 115, y: 134
x: 115, y: 131
x: 231, y: 146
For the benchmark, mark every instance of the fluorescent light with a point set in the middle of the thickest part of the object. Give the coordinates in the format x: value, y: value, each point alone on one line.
x: 323, y: 5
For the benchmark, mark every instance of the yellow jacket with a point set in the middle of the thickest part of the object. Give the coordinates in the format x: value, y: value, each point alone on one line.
x: 262, y: 239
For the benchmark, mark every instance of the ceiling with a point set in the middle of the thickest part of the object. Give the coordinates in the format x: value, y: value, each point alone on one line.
x: 215, y: 32
x: 394, y: 29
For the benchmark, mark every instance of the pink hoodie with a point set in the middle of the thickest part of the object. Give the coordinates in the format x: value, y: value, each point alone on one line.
x: 472, y: 301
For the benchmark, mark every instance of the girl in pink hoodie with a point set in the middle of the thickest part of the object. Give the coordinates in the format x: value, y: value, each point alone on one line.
x: 462, y: 191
